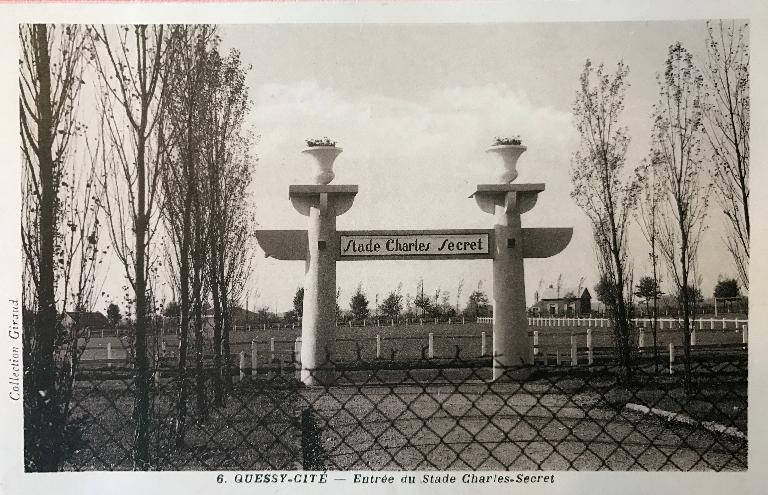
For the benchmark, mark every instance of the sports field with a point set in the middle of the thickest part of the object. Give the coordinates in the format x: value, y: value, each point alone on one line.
x: 411, y: 342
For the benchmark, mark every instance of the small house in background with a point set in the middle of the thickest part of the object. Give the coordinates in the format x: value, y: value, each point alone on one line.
x: 568, y: 302
x: 85, y: 319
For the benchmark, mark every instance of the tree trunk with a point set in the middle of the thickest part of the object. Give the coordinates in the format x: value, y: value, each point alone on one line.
x: 686, y: 304
x: 655, y: 328
x: 621, y: 318
x: 42, y: 390
x: 217, y: 328
x: 141, y: 412
x: 227, y: 320
x: 202, y: 409
x: 181, y: 404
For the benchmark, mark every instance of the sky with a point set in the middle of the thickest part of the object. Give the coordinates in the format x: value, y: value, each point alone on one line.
x: 414, y: 107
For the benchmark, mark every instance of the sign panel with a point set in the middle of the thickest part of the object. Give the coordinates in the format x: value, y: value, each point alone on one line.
x: 413, y: 245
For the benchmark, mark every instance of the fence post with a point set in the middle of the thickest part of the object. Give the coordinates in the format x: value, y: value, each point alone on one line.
x: 724, y: 324
x: 574, y: 357
x: 431, y: 351
x: 393, y: 323
x: 297, y: 350
x: 109, y: 350
x: 711, y: 323
x: 242, y: 365
x: 313, y: 454
x: 162, y: 347
x: 557, y: 357
x: 271, y: 349
x: 378, y: 346
x: 693, y: 336
x: 435, y: 321
x: 463, y: 320
x: 378, y: 323
x: 254, y: 358
x: 535, y: 342
x: 744, y: 335
x: 671, y: 356
x: 641, y: 339
x: 590, y: 353
x: 482, y: 344
x: 363, y: 322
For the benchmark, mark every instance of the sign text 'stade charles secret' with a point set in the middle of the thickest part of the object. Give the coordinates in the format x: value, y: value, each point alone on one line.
x: 414, y: 245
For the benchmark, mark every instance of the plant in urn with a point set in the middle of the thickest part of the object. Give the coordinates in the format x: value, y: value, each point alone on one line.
x: 324, y: 151
x: 508, y: 150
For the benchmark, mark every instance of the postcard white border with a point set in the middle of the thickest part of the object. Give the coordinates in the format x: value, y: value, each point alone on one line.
x: 12, y: 478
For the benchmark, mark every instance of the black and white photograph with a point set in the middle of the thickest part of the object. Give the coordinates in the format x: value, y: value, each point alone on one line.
x: 479, y: 254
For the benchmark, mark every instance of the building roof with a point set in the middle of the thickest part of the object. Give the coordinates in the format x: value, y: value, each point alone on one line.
x: 550, y: 293
x: 93, y: 319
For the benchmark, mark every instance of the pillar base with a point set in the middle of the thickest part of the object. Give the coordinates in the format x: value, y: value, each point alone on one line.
x: 322, y: 377
x: 514, y: 374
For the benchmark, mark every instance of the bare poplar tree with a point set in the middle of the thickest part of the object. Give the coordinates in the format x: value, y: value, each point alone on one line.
x: 726, y: 124
x: 186, y: 213
x: 59, y: 230
x: 130, y: 63
x: 602, y: 188
x: 676, y: 155
x: 229, y: 166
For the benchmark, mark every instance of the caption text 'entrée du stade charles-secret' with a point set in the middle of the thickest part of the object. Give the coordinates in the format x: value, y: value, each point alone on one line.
x: 386, y: 479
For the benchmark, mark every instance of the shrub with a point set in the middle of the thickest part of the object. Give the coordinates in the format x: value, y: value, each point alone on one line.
x: 320, y: 142
x: 506, y: 141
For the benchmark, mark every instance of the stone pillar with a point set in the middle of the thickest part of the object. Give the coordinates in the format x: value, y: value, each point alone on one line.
x: 510, y: 323
x: 507, y: 201
x: 321, y: 204
x: 318, y: 326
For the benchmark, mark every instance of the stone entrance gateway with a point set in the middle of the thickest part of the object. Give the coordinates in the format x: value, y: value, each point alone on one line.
x: 507, y: 244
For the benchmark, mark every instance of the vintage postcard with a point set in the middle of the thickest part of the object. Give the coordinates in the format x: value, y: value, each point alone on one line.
x: 349, y: 246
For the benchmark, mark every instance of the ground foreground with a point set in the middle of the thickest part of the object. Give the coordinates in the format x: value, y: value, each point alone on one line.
x: 428, y: 419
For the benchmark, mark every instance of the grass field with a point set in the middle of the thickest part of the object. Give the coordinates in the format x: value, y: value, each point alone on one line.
x: 409, y: 342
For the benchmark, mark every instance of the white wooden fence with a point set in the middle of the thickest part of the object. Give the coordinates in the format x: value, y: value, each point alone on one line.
x: 551, y: 354
x: 663, y: 323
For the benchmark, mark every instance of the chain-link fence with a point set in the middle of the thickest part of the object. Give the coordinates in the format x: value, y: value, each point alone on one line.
x: 430, y: 414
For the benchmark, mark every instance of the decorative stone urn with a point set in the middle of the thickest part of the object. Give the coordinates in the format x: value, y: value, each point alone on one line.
x: 323, y: 156
x: 507, y: 155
